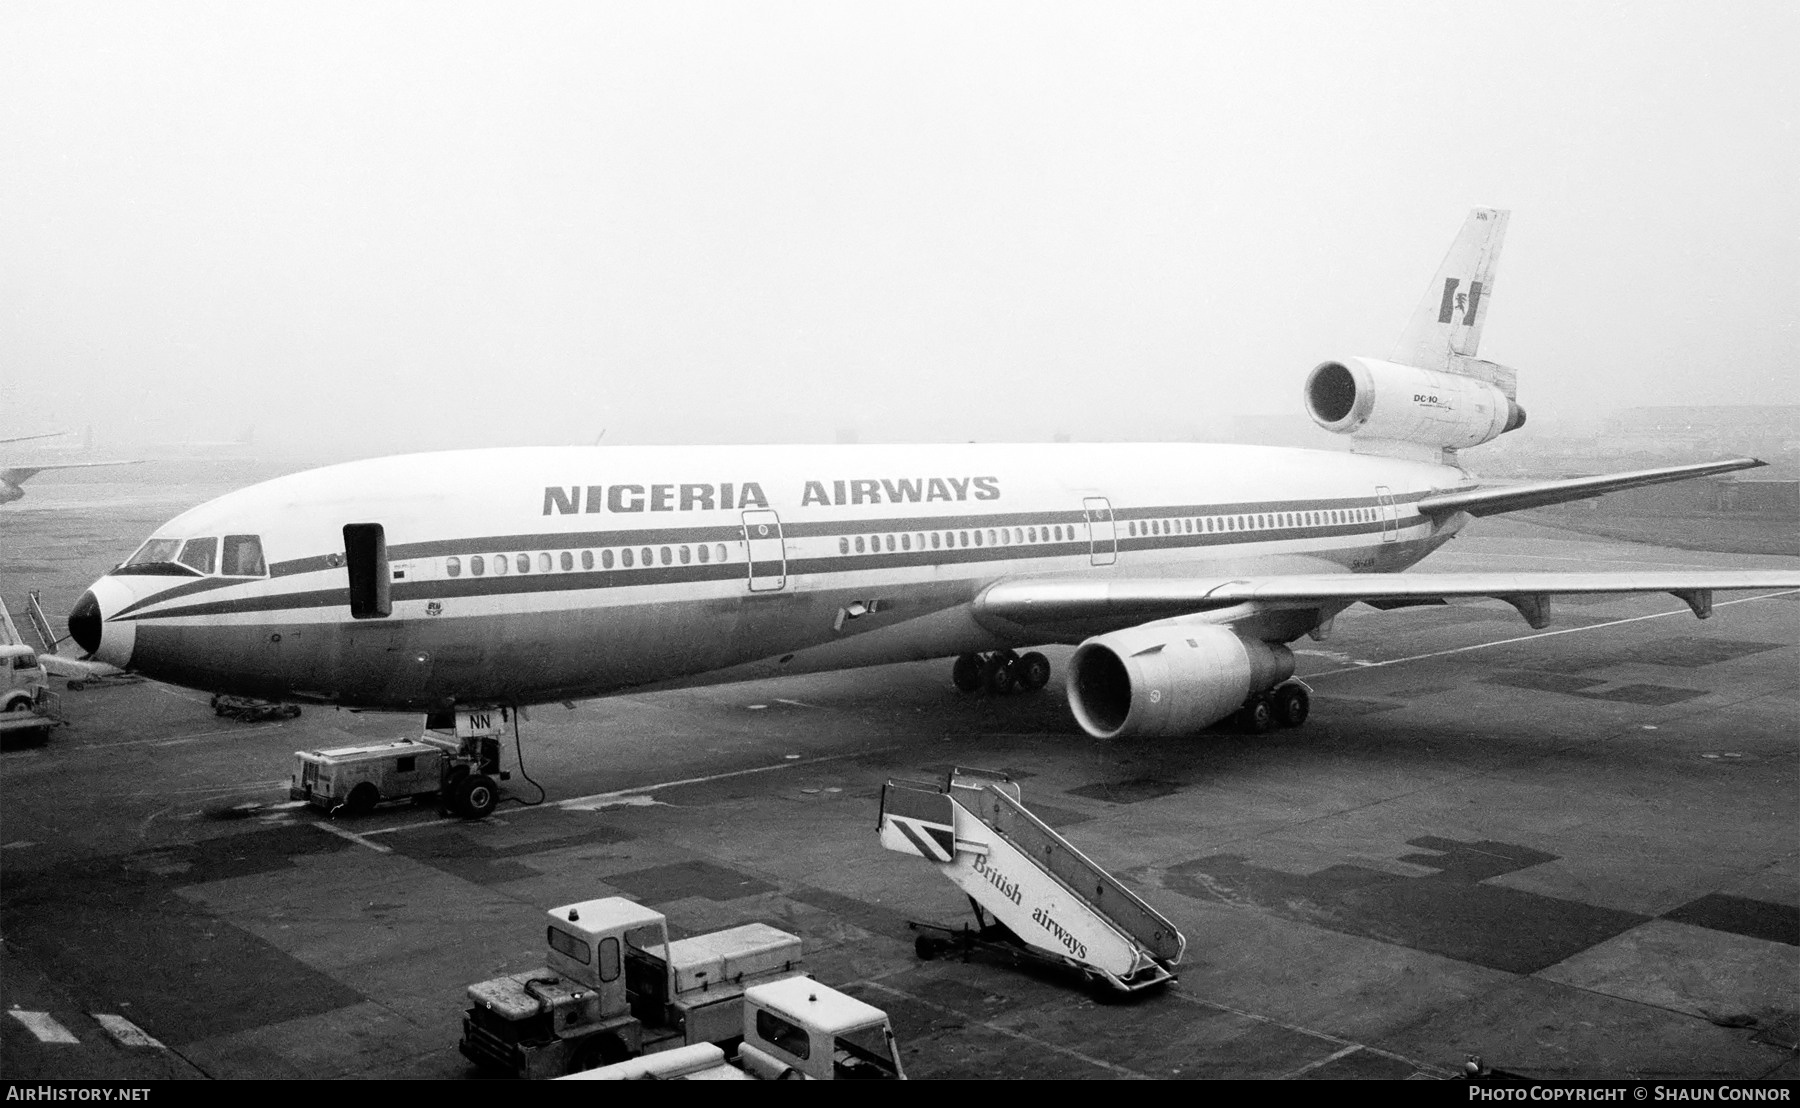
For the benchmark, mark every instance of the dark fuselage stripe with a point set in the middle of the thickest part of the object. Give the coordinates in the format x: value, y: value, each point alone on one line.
x: 795, y: 529
x: 576, y: 580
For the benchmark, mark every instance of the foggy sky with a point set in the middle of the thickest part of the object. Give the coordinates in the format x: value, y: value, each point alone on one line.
x: 370, y: 227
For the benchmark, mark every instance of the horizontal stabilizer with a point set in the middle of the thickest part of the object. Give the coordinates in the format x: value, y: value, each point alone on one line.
x: 12, y: 475
x: 1537, y: 494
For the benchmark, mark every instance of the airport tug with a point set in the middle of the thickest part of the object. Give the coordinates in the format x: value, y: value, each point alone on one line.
x: 614, y: 987
x: 456, y: 759
x: 795, y: 1029
x: 28, y: 708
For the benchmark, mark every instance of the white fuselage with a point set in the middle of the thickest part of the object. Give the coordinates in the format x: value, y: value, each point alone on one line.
x: 533, y: 575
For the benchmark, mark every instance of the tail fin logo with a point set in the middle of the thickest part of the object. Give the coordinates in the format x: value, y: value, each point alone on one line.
x: 1459, y: 303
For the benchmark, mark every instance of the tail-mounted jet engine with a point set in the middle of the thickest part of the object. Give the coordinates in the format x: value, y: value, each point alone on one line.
x: 1383, y: 400
x: 1169, y: 678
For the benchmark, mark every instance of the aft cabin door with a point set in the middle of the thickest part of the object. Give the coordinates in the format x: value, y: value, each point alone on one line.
x: 767, y: 551
x: 1390, y: 520
x: 1103, y: 538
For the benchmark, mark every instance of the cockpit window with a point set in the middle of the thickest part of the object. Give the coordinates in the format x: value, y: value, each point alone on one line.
x: 200, y: 554
x: 242, y: 556
x: 156, y: 550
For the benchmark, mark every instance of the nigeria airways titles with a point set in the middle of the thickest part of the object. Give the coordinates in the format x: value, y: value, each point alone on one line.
x: 704, y: 497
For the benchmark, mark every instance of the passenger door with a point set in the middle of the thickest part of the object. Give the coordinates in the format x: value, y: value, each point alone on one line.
x: 766, y: 549
x: 1390, y: 519
x: 1103, y: 537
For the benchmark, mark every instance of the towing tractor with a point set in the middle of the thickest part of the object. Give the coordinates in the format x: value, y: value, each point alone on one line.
x: 28, y: 709
x: 614, y: 987
x: 796, y: 1029
x: 456, y: 760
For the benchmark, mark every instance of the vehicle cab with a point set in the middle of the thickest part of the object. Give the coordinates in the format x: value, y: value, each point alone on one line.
x: 803, y: 1026
x: 23, y: 680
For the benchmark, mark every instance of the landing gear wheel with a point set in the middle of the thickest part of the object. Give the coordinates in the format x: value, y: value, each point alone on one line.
x: 1033, y: 671
x: 362, y: 800
x: 1257, y: 715
x: 475, y: 796
x: 1292, y: 705
x: 925, y: 947
x: 998, y: 677
x: 966, y: 673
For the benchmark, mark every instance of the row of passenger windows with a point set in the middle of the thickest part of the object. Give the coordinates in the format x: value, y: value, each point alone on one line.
x: 631, y: 557
x: 939, y: 540
x: 1258, y: 522
x: 1012, y: 536
x: 628, y: 557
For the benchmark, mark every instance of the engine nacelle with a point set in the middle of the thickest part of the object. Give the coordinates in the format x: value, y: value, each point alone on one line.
x: 1169, y: 678
x: 1383, y: 400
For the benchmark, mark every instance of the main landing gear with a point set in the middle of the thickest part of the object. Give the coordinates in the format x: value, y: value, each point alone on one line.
x: 1285, y: 705
x: 1001, y: 672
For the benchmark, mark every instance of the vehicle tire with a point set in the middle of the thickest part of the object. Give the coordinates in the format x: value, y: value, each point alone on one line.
x: 476, y: 796
x: 1257, y: 715
x: 362, y: 800
x: 997, y: 676
x: 76, y: 686
x: 966, y: 673
x: 1292, y: 705
x: 592, y: 1053
x: 1033, y: 671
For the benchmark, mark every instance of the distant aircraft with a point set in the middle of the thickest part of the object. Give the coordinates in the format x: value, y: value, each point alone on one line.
x: 12, y: 477
x: 507, y: 577
x: 201, y: 448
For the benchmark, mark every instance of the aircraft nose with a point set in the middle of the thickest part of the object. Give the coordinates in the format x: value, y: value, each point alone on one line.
x: 84, y: 622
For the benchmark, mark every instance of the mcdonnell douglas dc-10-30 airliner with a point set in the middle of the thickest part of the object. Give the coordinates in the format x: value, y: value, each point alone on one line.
x: 509, y: 577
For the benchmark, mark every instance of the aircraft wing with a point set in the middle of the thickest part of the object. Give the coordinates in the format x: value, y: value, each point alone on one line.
x: 12, y: 475
x: 1031, y: 602
x: 1536, y: 494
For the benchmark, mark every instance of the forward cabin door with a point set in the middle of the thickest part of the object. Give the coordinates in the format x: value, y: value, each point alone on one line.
x: 1103, y: 537
x: 366, y: 561
x: 766, y: 549
x: 1390, y: 519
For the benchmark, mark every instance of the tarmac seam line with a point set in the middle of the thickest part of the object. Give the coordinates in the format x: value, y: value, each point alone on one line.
x: 332, y: 829
x: 1297, y: 1029
x: 1010, y: 1033
x: 574, y: 803
x: 1325, y: 1061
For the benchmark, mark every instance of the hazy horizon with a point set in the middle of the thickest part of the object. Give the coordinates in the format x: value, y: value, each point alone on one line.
x: 402, y: 226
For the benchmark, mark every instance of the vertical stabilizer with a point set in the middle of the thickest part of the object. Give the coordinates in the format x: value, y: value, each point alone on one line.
x: 1446, y: 327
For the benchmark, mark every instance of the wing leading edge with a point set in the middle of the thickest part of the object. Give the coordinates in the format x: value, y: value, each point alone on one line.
x: 1537, y: 494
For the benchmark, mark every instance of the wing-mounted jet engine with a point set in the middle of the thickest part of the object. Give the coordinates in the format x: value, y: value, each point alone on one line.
x: 1177, y: 677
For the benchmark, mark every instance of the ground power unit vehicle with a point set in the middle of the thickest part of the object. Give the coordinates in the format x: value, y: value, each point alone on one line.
x: 456, y: 759
x: 614, y: 987
x: 793, y: 1029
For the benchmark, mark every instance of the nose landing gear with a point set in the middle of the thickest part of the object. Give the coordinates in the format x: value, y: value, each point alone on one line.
x: 1000, y: 672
